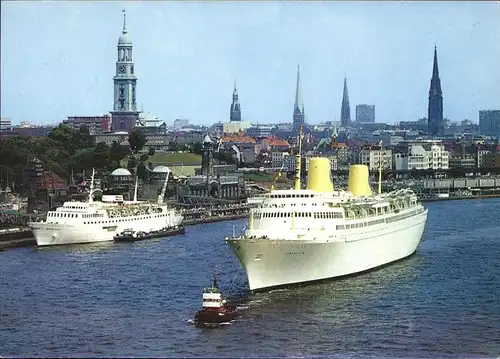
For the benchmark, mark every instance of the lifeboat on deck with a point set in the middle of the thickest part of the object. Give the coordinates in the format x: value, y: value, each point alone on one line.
x: 215, y: 308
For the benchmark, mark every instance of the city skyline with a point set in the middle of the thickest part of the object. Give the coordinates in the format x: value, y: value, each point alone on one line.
x: 188, y: 55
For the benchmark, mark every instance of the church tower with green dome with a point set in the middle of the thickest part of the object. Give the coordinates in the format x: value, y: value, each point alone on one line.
x: 124, y: 114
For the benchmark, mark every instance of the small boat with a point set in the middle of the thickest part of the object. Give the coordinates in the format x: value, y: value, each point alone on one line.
x: 129, y: 235
x: 215, y: 308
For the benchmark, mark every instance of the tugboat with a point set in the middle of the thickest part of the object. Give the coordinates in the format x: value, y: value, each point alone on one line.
x: 215, y: 308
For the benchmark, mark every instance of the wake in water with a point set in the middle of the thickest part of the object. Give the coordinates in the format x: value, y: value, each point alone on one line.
x: 277, y: 290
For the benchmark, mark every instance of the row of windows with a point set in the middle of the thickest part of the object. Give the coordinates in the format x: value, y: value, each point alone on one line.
x: 400, y: 217
x: 321, y: 215
x: 124, y: 219
x: 301, y: 195
x: 74, y: 215
x: 62, y: 215
x: 360, y: 225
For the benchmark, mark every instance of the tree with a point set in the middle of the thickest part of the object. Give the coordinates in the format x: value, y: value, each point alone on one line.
x: 137, y: 139
x: 225, y: 156
x: 131, y: 163
x: 151, y: 151
x: 142, y: 172
x: 173, y: 146
x: 197, y: 148
x: 83, y: 160
x: 116, y: 153
x: 83, y: 137
x: 101, y: 156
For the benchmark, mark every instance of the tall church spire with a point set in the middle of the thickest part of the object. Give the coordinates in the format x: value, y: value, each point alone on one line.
x: 298, y: 113
x: 124, y: 31
x: 435, y: 120
x: 297, y: 89
x: 345, y: 112
x: 125, y: 113
x: 235, y: 111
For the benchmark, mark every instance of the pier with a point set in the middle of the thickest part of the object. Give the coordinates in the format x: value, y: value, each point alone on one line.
x: 11, y: 218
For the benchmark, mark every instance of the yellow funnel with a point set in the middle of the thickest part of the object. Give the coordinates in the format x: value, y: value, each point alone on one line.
x: 318, y: 177
x: 358, y: 181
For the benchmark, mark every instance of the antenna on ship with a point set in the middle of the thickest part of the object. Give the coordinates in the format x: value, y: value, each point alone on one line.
x: 91, y: 186
x: 278, y: 175
x: 135, y: 189
x: 299, y: 161
x: 380, y: 169
x: 161, y: 196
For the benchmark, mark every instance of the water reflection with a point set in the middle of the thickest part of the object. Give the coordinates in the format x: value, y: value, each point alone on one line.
x: 76, y: 248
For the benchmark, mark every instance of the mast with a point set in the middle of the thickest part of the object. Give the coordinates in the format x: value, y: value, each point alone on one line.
x: 214, y: 284
x: 92, y: 186
x: 380, y: 169
x: 299, y: 161
x: 135, y: 189
x: 161, y: 196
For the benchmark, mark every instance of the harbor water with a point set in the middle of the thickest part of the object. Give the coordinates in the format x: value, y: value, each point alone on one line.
x: 137, y: 299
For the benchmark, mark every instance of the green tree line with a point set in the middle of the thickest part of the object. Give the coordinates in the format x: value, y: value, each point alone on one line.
x: 64, y: 150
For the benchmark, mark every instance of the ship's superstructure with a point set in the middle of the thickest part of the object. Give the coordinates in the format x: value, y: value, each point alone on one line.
x: 303, y: 235
x: 86, y: 222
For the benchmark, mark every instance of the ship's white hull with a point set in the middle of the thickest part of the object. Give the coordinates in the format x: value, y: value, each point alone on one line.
x: 272, y: 263
x: 48, y: 234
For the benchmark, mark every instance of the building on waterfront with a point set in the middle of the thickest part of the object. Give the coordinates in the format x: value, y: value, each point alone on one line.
x: 373, y: 157
x: 489, y: 122
x: 151, y: 124
x: 125, y: 113
x: 259, y: 131
x: 160, y: 142
x: 463, y: 161
x: 180, y: 123
x: 5, y: 124
x: 95, y: 124
x: 235, y: 111
x: 278, y: 158
x: 158, y: 174
x: 28, y: 131
x: 298, y: 112
x: 186, y: 136
x: 420, y: 126
x: 418, y: 157
x: 435, y: 108
x: 207, y: 157
x: 345, y: 111
x: 121, y: 176
x: 365, y: 113
x: 244, y: 148
x: 235, y: 126
x: 482, y: 157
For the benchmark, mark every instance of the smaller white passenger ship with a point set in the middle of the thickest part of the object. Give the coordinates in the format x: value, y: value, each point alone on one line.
x: 92, y: 221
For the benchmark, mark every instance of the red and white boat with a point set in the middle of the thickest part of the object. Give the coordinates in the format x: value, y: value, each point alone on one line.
x: 215, y: 308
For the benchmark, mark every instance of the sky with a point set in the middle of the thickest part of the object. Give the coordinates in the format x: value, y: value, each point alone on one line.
x: 58, y: 58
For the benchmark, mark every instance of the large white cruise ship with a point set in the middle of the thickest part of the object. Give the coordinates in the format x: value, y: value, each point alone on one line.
x: 303, y: 235
x: 88, y: 222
